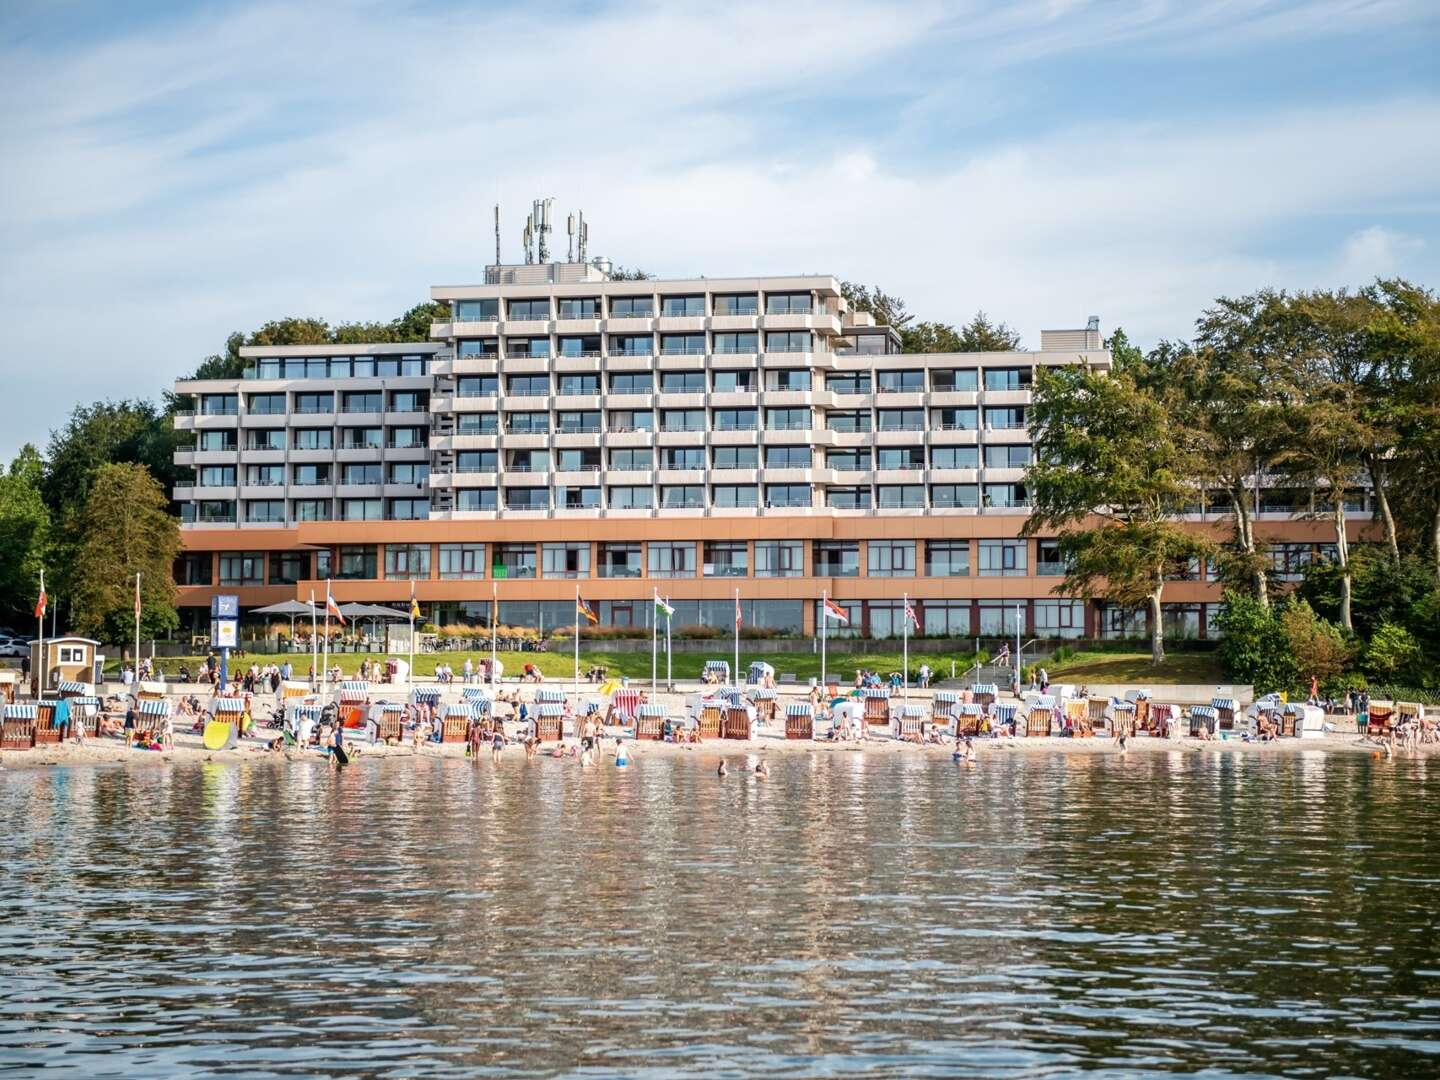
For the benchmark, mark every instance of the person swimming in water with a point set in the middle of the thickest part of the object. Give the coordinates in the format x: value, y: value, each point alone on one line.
x: 723, y: 770
x: 762, y: 770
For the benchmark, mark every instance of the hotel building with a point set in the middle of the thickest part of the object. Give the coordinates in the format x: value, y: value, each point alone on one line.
x: 685, y: 436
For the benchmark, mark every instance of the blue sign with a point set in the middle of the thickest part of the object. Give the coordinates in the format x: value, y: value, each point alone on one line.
x: 224, y: 607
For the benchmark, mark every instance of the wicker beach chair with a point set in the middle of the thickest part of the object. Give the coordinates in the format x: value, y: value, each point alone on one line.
x: 390, y: 724
x: 1122, y: 718
x: 942, y: 707
x: 549, y: 722
x: 909, y: 722
x: 967, y: 718
x: 1379, y: 720
x: 1077, y: 717
x: 1040, y: 717
x: 799, y: 720
x: 984, y: 694
x: 877, y: 706
x: 650, y: 722
x: 1226, y: 709
x: 17, y: 726
x: 1203, y: 718
x: 765, y: 704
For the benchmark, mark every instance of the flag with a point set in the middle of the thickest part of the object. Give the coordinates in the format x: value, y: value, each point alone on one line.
x: 738, y: 620
x: 40, y: 603
x: 835, y: 611
x: 414, y: 604
x: 331, y: 608
x: 662, y: 607
x: 585, y: 609
x: 911, y: 616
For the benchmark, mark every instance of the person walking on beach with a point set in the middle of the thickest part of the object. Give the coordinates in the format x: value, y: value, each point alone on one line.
x: 497, y: 743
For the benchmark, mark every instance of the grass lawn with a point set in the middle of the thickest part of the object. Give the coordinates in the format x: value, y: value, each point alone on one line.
x: 1108, y: 667
x: 561, y: 665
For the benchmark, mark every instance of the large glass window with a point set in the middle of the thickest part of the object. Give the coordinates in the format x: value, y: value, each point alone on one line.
x: 408, y: 438
x: 682, y: 497
x: 891, y: 558
x: 901, y: 419
x: 1060, y: 618
x: 410, y: 561
x: 837, y: 558
x: 578, y: 384
x: 409, y: 401
x: 486, y: 423
x: 632, y: 344
x: 1006, y: 496
x: 848, y: 382
x: 266, y: 439
x: 954, y: 496
x: 744, y: 304
x: 946, y: 618
x: 565, y: 560
x: 219, y: 404
x: 847, y: 498
x: 787, y: 457
x: 242, y: 568
x: 682, y: 344
x: 528, y: 309
x: 734, y: 496
x: 954, y: 419
x: 847, y: 422
x: 1002, y: 558
x: 671, y: 559
x: 527, y: 423
x: 527, y: 461
x: 900, y: 496
x: 788, y: 379
x: 954, y: 457
x: 362, y: 438
x: 409, y: 472
x: 779, y: 558
x: 900, y: 457
x: 315, y: 404
x: 361, y: 401
x: 1049, y: 562
x: 462, y: 562
x: 578, y: 421
x: 477, y: 310
x: 478, y: 347
x: 726, y: 558
x: 362, y: 509
x: 1008, y: 378
x: 520, y: 347
x: 568, y: 497
x: 265, y: 475
x: 682, y: 382
x: 407, y: 509
x: 682, y: 305
x: 623, y: 420
x: 635, y: 459
x: 631, y: 382
x: 1001, y: 618
x: 788, y: 495
x: 735, y: 457
x: 527, y: 385
x: 358, y: 562
x: 736, y: 419
x: 477, y: 461
x: 216, y: 476
x: 583, y: 459
x: 312, y: 509
x: 952, y: 380
x: 476, y: 499
x: 1007, y: 457
x: 631, y: 497
x: 787, y: 419
x: 353, y: 472
x: 947, y: 558
x: 313, y: 438
x: 682, y: 420
x: 619, y: 560
x: 527, y: 498
x: 215, y: 440
x: 580, y: 307
x: 513, y: 561
x: 193, y: 568
x: 740, y: 381
x: 787, y: 304
x: 632, y: 307
x: 848, y: 460
x: 679, y: 457
x: 1006, y: 419
x: 787, y: 341
x: 744, y: 342
x: 910, y: 381
x: 267, y: 404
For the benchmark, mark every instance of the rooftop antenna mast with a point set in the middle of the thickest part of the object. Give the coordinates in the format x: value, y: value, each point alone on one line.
x: 570, y: 243
x: 583, y: 242
x: 497, y: 234
x: 527, y: 235
x: 542, y: 220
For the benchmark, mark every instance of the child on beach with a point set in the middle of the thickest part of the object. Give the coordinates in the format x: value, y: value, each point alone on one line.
x: 497, y: 744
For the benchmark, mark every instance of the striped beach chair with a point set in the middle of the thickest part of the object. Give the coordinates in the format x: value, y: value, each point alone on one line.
x: 455, y: 722
x: 69, y: 688
x: 942, y: 706
x: 354, y: 691
x: 17, y: 726
x: 549, y: 695
x: 85, y: 710
x: 549, y: 722
x: 1040, y: 717
x: 650, y: 722
x: 292, y: 689
x: 968, y: 715
x: 430, y: 695
x: 472, y: 694
x: 1226, y: 709
x: 1122, y: 718
x: 1004, y: 713
x: 877, y: 706
x: 909, y: 721
x: 758, y: 673
x: 624, y: 704
x: 353, y: 701
x: 227, y: 707
x: 735, y: 723
x: 1162, y: 720
x: 984, y: 694
x: 152, y: 713
x: 1203, y: 718
x: 389, y: 722
x: 799, y: 720
x: 765, y: 704
x: 718, y: 668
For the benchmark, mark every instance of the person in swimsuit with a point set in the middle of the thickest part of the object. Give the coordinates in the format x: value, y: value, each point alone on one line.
x: 497, y: 744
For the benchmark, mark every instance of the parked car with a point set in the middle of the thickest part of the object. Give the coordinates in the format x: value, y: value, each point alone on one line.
x: 14, y: 647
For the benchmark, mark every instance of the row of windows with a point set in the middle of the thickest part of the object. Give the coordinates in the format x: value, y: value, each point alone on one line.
x: 338, y: 367
x: 588, y: 421
x: 323, y: 402
x: 398, y: 472
x: 746, y: 496
x: 632, y: 307
x: 720, y: 458
x: 666, y: 559
x: 348, y: 438
x: 688, y: 344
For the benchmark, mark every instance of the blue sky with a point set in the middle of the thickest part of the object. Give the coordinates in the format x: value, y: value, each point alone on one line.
x: 173, y: 172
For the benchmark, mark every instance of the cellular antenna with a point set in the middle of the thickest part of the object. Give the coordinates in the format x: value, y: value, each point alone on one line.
x: 542, y: 209
x: 570, y: 243
x: 497, y: 234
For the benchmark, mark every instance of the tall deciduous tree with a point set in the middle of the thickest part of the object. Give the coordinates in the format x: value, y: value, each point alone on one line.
x: 125, y: 528
x: 1111, y: 478
x: 24, y: 534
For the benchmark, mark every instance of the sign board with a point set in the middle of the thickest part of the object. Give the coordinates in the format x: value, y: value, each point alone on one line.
x: 225, y: 607
x: 225, y: 634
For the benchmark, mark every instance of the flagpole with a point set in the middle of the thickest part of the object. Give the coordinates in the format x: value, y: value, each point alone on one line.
x: 494, y: 616
x: 577, y: 640
x: 737, y: 637
x: 669, y: 665
x: 40, y: 615
x: 905, y: 646
x: 824, y: 623
x: 137, y: 627
x: 325, y: 661
x: 314, y: 645
x: 410, y: 672
x: 654, y: 643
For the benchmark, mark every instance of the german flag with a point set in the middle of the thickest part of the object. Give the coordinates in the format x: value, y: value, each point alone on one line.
x: 585, y: 609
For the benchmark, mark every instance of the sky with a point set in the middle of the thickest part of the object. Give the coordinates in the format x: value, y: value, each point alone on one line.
x: 175, y: 172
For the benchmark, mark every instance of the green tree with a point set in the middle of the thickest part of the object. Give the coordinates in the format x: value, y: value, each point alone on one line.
x: 929, y: 337
x: 1317, y: 645
x: 1253, y: 646
x: 226, y: 365
x: 24, y: 535
x: 887, y: 310
x: 1111, y: 477
x: 981, y: 335
x: 292, y: 330
x: 125, y: 528
x: 1391, y: 650
x: 414, y: 325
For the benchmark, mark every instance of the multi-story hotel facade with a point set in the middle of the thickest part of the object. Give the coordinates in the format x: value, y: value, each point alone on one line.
x: 685, y: 437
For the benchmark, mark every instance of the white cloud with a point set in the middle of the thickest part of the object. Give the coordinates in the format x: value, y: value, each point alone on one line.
x: 1375, y: 252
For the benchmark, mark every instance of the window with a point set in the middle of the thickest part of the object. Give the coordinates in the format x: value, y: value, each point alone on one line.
x: 580, y: 307
x: 787, y: 457
x: 242, y: 568
x: 1005, y: 496
x: 734, y: 496
x: 851, y: 423
x: 631, y: 344
x: 217, y: 440
x: 356, y: 473
x: 527, y: 385
x: 314, y: 438
x: 625, y: 497
x: 586, y: 345
x: 730, y: 344
x: 631, y: 382
x: 362, y: 438
x: 312, y: 509
x: 847, y: 498
x: 527, y: 461
x: 788, y: 495
x: 671, y: 559
x: 578, y: 422
x: 527, y: 423
x: 513, y: 561
x: 900, y: 457
x: 408, y: 438
x: 528, y: 309
x: 315, y: 404
x: 579, y: 384
x: 1059, y: 618
x: 1001, y: 618
x: 954, y: 457
x: 265, y: 475
x: 193, y: 568
x: 876, y: 344
x: 477, y: 461
x: 408, y: 509
x: 952, y: 380
x: 726, y: 558
x: 683, y: 420
x: 902, y: 419
x: 632, y: 307
x: 787, y: 379
x: 945, y: 618
x: 527, y: 498
x: 910, y: 381
x: 268, y: 439
x: 579, y: 460
x: 1008, y: 419
x: 787, y: 304
x: 848, y: 382
x: 477, y: 310
x: 682, y: 344
x: 358, y: 562
x: 787, y: 341
x: 735, y: 457
x: 787, y: 419
x: 848, y: 460
x: 779, y: 558
x: 476, y: 499
x: 622, y: 420
x: 1002, y: 558
x: 267, y: 404
x: 947, y: 558
x: 361, y: 401
x: 565, y: 560
x: 682, y: 382
x: 682, y: 497
x: 955, y: 419
x: 487, y: 423
x: 462, y: 562
x: 409, y: 472
x: 680, y: 457
x: 736, y: 419
x: 478, y: 347
x: 268, y: 510
x: 1288, y: 562
x: 520, y: 347
x: 901, y: 496
x: 577, y: 498
x: 1007, y: 457
x: 409, y: 401
x: 634, y: 459
x: 672, y: 306
x: 361, y: 510
x: 837, y: 558
x: 746, y: 304
x: 733, y: 382
x: 954, y: 496
x: 1181, y: 620
x: 834, y: 627
x: 619, y: 561
x: 410, y: 561
x: 216, y: 476
x: 219, y: 404
x: 1048, y: 560
x: 1008, y: 378
x: 891, y: 558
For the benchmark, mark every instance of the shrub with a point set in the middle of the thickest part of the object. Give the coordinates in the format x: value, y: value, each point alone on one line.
x: 1318, y: 647
x: 1392, y: 649
x: 1255, y: 648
